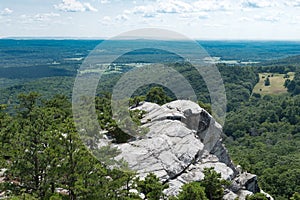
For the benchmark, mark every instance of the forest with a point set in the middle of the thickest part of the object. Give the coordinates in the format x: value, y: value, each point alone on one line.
x: 42, y: 156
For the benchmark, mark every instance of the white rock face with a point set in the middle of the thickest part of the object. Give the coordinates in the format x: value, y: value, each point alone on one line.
x: 183, y: 139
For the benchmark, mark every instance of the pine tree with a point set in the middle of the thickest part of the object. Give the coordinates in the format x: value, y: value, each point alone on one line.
x: 213, y: 184
x: 33, y: 143
x: 157, y: 95
x: 151, y: 187
x: 192, y: 191
x: 267, y: 82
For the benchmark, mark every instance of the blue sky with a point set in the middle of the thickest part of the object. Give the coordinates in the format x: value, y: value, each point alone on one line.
x: 197, y: 19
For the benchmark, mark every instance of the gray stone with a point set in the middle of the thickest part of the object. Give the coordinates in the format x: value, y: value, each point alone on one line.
x: 2, y: 172
x: 182, y: 140
x: 230, y: 195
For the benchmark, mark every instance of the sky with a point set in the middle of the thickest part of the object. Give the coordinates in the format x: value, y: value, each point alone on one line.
x: 196, y: 19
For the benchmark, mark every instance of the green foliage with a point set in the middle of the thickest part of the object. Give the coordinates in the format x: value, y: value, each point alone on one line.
x: 257, y: 196
x: 23, y: 196
x: 296, y: 196
x: 6, y: 134
x: 135, y: 101
x: 151, y: 187
x: 213, y: 183
x: 57, y: 196
x: 41, y: 149
x: 172, y: 198
x: 293, y: 86
x: 266, y: 142
x: 157, y: 95
x: 46, y: 153
x: 114, y: 130
x: 192, y: 191
x: 205, y: 106
x: 267, y: 81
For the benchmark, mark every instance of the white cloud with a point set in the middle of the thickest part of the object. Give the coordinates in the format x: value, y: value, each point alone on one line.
x: 104, y: 1
x: 89, y: 7
x: 145, y: 11
x: 127, y: 12
x: 74, y: 6
x: 110, y: 21
x: 184, y: 8
x: 213, y: 5
x: 173, y: 6
x: 178, y: 6
x: 122, y: 17
x: 258, y: 3
x: 203, y: 15
x: 45, y: 16
x: 23, y: 16
x: 39, y: 17
x: 186, y: 15
x: 293, y: 3
x: 106, y: 20
x: 267, y: 18
x: 245, y: 19
x: 295, y: 20
x: 6, y: 11
x: 214, y: 25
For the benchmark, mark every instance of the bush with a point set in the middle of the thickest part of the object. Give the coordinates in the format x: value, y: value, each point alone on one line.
x: 151, y: 187
x: 257, y: 196
x: 192, y: 191
x: 267, y: 82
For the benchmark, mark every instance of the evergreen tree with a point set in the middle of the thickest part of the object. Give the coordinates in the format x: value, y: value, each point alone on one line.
x: 213, y: 184
x: 157, y: 95
x: 7, y: 130
x: 192, y: 191
x: 151, y: 187
x: 267, y: 82
x: 33, y: 144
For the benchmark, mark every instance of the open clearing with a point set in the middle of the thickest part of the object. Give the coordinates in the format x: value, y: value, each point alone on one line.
x: 276, y: 86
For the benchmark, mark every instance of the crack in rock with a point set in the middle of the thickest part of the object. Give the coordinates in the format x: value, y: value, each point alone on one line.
x: 183, y: 139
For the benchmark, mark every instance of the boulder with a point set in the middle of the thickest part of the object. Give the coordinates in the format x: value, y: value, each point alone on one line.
x: 181, y: 141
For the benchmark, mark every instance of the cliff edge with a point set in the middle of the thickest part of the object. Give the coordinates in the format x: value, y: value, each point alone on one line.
x: 181, y: 141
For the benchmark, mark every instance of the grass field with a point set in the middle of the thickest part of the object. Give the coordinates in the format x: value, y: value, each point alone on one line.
x: 276, y: 86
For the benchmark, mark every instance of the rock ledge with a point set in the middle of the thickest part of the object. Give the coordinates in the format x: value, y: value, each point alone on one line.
x: 183, y: 139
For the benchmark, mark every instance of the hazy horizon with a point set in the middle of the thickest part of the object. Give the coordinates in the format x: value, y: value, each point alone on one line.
x: 107, y: 38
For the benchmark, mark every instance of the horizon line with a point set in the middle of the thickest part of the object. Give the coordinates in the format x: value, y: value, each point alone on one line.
x: 163, y: 39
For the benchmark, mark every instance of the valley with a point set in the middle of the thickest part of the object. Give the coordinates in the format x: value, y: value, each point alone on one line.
x: 261, y: 129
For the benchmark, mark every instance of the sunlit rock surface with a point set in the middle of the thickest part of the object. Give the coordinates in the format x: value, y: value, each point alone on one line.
x: 182, y: 140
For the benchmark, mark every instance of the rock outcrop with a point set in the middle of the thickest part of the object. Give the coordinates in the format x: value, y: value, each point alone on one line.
x: 181, y: 141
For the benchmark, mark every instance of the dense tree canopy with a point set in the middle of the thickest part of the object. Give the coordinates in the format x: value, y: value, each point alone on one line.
x: 42, y: 151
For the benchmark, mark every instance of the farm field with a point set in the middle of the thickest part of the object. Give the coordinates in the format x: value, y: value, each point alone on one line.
x: 276, y: 83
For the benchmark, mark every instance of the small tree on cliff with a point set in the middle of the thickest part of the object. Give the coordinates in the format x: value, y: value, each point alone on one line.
x: 157, y: 95
x: 151, y: 187
x: 213, y: 183
x: 192, y: 191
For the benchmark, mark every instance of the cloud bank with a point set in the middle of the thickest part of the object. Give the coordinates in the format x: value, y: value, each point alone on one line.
x: 75, y: 6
